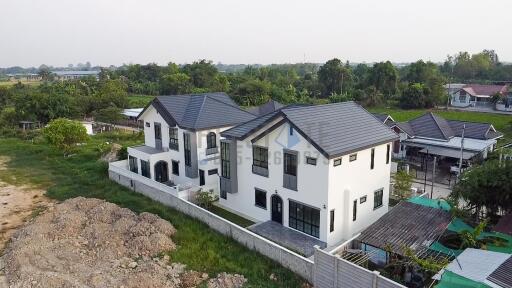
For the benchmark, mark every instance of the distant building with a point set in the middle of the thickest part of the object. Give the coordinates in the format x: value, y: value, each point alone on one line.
x: 476, y: 95
x: 24, y: 77
x: 70, y: 75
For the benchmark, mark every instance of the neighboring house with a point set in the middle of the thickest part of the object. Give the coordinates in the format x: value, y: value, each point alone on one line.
x: 433, y: 135
x: 322, y: 170
x: 453, y: 87
x: 266, y: 108
x: 476, y: 95
x: 182, y: 138
x: 384, y: 118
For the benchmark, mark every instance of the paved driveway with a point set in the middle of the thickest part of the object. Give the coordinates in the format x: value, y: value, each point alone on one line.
x: 287, y: 237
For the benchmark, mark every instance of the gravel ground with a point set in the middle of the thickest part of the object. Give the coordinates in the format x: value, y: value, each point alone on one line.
x: 92, y: 243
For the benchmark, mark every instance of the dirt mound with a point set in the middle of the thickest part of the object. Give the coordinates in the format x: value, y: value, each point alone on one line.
x: 92, y: 243
x: 225, y: 280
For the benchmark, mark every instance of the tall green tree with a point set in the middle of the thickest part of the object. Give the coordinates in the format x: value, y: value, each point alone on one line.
x: 384, y: 77
x: 334, y: 76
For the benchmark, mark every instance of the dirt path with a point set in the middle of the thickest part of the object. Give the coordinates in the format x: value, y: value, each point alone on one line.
x: 17, y: 205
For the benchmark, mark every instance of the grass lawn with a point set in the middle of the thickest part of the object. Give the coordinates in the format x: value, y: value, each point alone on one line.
x: 502, y: 123
x: 241, y: 221
x: 198, y: 246
x: 139, y: 101
x: 11, y: 83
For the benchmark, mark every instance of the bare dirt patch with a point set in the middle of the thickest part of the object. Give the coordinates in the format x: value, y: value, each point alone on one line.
x: 92, y: 243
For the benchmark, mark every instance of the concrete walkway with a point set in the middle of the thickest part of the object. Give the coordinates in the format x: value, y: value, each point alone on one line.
x: 479, y: 109
x: 287, y: 237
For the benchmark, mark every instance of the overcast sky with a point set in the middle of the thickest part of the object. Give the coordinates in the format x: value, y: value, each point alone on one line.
x: 104, y: 32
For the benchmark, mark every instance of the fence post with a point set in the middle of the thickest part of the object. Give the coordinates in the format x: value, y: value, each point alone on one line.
x: 375, y: 278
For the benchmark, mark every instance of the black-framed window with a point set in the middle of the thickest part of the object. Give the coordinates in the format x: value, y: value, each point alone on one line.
x: 173, y: 138
x: 331, y: 224
x: 225, y: 165
x: 187, y: 149
x: 304, y: 218
x: 211, y: 140
x: 290, y: 164
x: 145, y: 168
x: 377, y: 198
x: 223, y: 194
x: 388, y: 150
x: 175, y: 168
x: 290, y: 130
x: 260, y: 156
x: 354, y: 211
x: 362, y: 199
x: 311, y: 161
x: 372, y: 159
x: 337, y: 162
x: 352, y: 157
x: 132, y: 163
x: 260, y: 198
x: 148, y: 124
x: 213, y: 172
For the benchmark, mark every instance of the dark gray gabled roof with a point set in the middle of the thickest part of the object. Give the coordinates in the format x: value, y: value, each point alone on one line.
x: 200, y: 111
x: 269, y: 107
x: 334, y: 129
x: 432, y: 126
x: 503, y: 274
x: 384, y: 118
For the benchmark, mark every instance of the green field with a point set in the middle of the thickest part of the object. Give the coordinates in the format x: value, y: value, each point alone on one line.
x: 11, y: 83
x: 139, y: 101
x: 502, y: 123
x: 198, y: 246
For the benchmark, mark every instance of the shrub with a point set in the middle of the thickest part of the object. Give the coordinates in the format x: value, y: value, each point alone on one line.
x: 65, y: 134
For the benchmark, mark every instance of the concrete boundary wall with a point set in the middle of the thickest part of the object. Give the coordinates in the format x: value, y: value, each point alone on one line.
x: 287, y: 258
x: 331, y: 271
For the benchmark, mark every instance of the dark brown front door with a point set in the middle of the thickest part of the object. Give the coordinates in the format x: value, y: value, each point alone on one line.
x: 161, y: 172
x: 277, y: 209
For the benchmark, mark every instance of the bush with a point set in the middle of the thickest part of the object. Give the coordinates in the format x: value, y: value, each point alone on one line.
x: 122, y: 153
x: 205, y: 199
x: 65, y: 134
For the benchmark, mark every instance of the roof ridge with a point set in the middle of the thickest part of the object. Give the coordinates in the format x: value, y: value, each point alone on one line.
x: 434, y: 117
x: 199, y: 111
x: 227, y: 104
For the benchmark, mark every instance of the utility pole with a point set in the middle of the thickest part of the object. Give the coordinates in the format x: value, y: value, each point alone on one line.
x: 426, y: 171
x: 462, y: 149
x: 433, y: 177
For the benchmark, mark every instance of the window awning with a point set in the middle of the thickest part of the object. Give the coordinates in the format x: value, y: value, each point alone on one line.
x: 447, y: 152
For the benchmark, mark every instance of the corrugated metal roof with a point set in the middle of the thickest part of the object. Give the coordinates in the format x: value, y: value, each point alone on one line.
x: 478, y: 265
x: 201, y: 111
x: 503, y: 274
x: 406, y: 225
x: 334, y: 129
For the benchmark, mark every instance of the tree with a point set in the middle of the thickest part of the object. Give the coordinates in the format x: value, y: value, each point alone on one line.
x: 110, y: 115
x: 486, y: 188
x: 384, y: 77
x: 414, y: 96
x: 402, y: 186
x: 45, y: 74
x: 203, y: 74
x: 65, y: 134
x: 253, y: 92
x: 333, y: 76
x: 177, y: 83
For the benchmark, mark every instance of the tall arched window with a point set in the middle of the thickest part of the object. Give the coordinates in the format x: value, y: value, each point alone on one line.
x: 211, y: 140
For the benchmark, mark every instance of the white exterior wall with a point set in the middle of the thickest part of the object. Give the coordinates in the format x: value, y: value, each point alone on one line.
x: 205, y: 162
x: 317, y: 186
x: 455, y: 100
x: 352, y: 180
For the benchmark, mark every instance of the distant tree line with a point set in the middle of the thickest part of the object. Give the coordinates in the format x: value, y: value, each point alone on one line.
x: 416, y: 85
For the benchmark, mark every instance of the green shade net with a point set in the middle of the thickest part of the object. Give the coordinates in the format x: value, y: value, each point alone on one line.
x: 452, y: 280
x: 434, y: 203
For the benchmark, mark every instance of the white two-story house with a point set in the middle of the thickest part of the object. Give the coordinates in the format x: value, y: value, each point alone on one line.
x: 322, y: 170
x: 182, y: 138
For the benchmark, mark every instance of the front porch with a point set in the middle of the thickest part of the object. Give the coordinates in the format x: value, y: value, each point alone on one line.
x: 287, y: 237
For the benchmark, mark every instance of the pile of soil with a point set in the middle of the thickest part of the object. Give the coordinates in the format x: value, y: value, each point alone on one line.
x: 92, y: 243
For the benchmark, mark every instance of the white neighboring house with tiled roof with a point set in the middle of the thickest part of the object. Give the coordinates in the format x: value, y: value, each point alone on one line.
x: 475, y: 95
x: 321, y: 170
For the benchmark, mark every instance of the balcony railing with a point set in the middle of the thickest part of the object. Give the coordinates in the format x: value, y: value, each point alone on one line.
x: 213, y: 150
x: 290, y: 182
x: 260, y: 171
